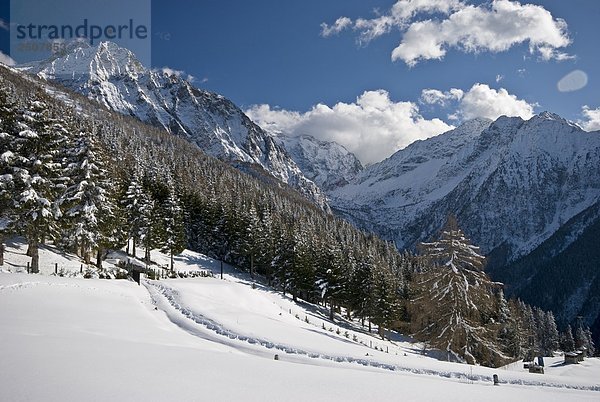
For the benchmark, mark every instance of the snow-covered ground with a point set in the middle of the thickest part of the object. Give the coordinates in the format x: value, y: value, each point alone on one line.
x: 69, y: 338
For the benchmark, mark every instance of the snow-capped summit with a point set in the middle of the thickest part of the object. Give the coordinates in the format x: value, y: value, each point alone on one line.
x: 328, y: 164
x: 511, y: 183
x: 114, y: 77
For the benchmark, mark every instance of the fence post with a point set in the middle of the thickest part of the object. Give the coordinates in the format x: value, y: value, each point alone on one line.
x: 56, y: 268
x: 81, y: 269
x: 27, y: 266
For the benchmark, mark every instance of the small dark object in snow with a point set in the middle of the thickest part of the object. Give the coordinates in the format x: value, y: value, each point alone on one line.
x: 155, y: 308
x: 276, y: 357
x: 496, y: 381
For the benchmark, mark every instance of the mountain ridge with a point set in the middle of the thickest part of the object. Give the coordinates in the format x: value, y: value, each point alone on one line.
x: 112, y: 76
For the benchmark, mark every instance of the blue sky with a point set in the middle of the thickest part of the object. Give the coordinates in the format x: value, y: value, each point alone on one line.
x: 274, y: 59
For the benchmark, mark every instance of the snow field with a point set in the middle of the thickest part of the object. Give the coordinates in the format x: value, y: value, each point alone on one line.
x: 80, y: 339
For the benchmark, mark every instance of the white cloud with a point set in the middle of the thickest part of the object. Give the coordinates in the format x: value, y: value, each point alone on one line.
x: 483, y: 101
x: 573, y: 81
x: 499, y: 77
x: 592, y: 119
x: 178, y: 73
x: 4, y: 25
x: 479, y: 101
x: 493, y: 27
x: 435, y: 96
x: 6, y: 59
x: 339, y: 25
x: 373, y: 127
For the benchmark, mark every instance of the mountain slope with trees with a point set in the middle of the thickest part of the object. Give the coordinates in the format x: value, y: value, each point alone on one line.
x: 115, y: 78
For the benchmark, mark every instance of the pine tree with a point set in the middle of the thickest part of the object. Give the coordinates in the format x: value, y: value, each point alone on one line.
x: 252, y: 241
x: 567, y: 341
x: 361, y: 287
x: 329, y: 274
x: 133, y: 201
x: 87, y: 203
x: 385, y: 306
x: 36, y: 176
x: 173, y: 237
x: 455, y: 305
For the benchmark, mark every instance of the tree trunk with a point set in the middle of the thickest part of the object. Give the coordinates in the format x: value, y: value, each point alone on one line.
x: 381, y: 332
x: 172, y: 264
x: 147, y: 255
x: 331, y: 310
x: 127, y: 248
x: 133, y: 248
x: 252, y: 266
x: 99, y: 257
x: 2, y: 247
x: 369, y: 325
x: 35, y: 257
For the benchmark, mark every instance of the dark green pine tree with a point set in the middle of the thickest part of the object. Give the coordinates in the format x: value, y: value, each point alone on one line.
x: 283, y: 260
x: 361, y: 287
x: 150, y: 227
x: 88, y: 203
x: 133, y: 202
x: 37, y: 176
x: 252, y: 241
x: 385, y: 304
x: 173, y: 234
x: 329, y: 274
x: 8, y: 161
x: 567, y: 343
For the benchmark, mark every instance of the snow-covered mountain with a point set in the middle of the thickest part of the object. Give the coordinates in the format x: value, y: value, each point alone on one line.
x: 511, y: 183
x: 114, y: 77
x: 527, y: 192
x: 328, y: 164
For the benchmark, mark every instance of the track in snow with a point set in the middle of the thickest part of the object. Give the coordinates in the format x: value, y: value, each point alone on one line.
x: 167, y: 300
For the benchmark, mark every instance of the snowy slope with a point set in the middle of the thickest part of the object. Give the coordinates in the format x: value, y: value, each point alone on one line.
x: 210, y: 339
x: 114, y: 77
x: 328, y: 164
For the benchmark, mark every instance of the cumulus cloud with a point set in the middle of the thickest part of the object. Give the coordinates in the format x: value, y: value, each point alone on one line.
x: 493, y: 27
x: 373, y: 127
x: 6, y: 59
x: 573, y: 81
x: 592, y: 119
x: 479, y: 101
